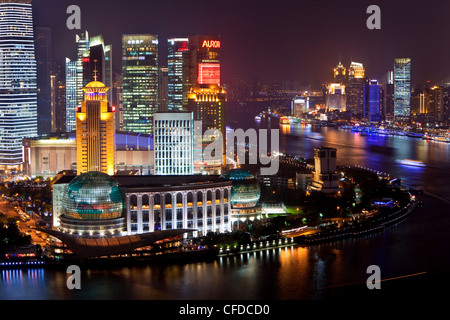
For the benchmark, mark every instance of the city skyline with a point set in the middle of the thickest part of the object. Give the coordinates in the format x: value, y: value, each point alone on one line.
x: 272, y: 41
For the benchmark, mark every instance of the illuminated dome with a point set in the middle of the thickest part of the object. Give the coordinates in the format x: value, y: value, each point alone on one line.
x: 245, y: 192
x: 237, y: 174
x: 93, y: 196
x: 95, y: 84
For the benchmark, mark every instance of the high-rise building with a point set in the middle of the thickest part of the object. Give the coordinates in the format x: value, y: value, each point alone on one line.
x: 387, y: 84
x: 58, y: 100
x: 42, y: 44
x: 74, y: 80
x: 97, y: 63
x: 71, y: 94
x: 336, y: 98
x: 173, y: 143
x: 140, y: 81
x: 207, y: 103
x: 372, y: 101
x: 176, y: 46
x: 18, y: 88
x: 201, y: 63
x: 163, y: 90
x: 118, y: 100
x: 355, y: 88
x: 402, y: 89
x: 95, y: 131
x: 340, y: 74
x: 436, y: 96
x: 82, y: 44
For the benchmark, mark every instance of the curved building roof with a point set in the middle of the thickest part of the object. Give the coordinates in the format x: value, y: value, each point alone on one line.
x: 97, y: 247
x: 93, y: 195
x: 237, y: 174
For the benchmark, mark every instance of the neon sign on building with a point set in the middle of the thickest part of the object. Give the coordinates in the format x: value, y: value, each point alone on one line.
x: 209, y: 73
x: 211, y: 44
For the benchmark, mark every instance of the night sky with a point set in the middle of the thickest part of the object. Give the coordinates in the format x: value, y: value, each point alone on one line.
x: 269, y: 40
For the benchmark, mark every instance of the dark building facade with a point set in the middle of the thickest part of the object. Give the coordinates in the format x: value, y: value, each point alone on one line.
x: 42, y: 43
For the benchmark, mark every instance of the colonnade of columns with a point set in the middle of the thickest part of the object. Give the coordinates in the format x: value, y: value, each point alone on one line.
x: 218, y: 211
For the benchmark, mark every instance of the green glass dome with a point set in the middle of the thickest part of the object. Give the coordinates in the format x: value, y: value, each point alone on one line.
x: 245, y: 190
x: 93, y: 196
x: 237, y: 174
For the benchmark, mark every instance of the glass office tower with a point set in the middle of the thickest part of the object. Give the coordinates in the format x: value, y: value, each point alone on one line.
x: 355, y: 87
x: 173, y: 143
x: 372, y: 101
x: 140, y: 82
x: 97, y: 63
x: 82, y: 44
x: 402, y: 89
x: 176, y: 46
x: 74, y: 80
x: 71, y: 94
x: 18, y: 88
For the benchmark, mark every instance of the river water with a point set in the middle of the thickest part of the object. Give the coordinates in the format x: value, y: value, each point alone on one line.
x: 413, y: 256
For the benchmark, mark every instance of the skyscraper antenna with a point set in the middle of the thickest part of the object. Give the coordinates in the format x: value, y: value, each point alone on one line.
x: 95, y: 70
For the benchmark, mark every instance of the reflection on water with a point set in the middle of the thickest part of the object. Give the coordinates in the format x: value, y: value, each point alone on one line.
x: 419, y: 244
x: 380, y: 153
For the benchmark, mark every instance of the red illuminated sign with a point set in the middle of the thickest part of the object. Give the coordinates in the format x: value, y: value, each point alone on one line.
x: 211, y: 44
x: 183, y: 47
x: 85, y: 59
x: 209, y: 73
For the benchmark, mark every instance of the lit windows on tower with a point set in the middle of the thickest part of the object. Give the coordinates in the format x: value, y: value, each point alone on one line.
x: 140, y: 81
x: 372, y: 102
x: 95, y: 131
x: 176, y: 47
x: 402, y: 89
x: 18, y: 88
x: 173, y: 143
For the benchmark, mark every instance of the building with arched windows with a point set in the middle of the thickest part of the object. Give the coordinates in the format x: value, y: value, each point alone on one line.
x: 149, y: 203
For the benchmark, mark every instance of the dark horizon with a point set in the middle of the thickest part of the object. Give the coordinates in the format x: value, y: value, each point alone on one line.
x: 270, y: 40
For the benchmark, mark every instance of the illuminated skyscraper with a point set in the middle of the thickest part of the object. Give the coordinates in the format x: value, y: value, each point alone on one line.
x: 82, y: 44
x: 201, y: 63
x: 95, y: 131
x: 207, y: 103
x: 173, y: 143
x: 402, y: 89
x: 74, y: 80
x: 98, y: 58
x: 140, y: 81
x: 355, y: 88
x: 336, y: 98
x: 18, y: 89
x: 71, y: 94
x: 176, y: 46
x: 372, y: 101
x: 340, y: 74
